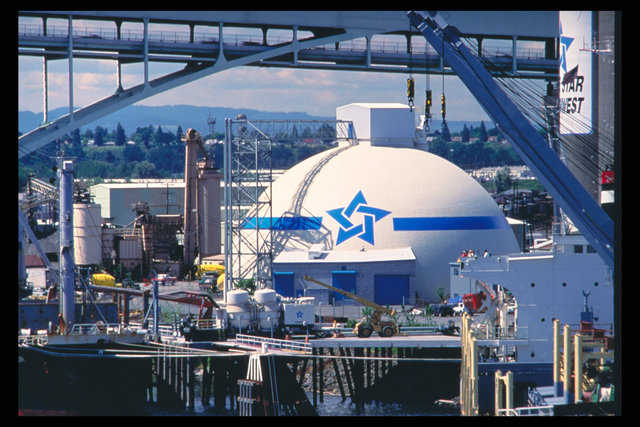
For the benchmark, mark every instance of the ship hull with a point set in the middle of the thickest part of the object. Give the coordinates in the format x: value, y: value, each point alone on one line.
x: 69, y: 382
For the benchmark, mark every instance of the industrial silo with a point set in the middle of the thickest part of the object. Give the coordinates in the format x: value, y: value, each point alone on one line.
x: 87, y: 234
x: 208, y: 207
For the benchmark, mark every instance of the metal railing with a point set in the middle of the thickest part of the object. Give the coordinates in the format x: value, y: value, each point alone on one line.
x: 165, y: 330
x: 239, y: 39
x: 33, y: 340
x: 273, y: 343
x: 96, y: 328
x: 527, y: 411
x: 209, y: 323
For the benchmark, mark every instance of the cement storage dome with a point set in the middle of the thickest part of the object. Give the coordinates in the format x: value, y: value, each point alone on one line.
x: 383, y: 195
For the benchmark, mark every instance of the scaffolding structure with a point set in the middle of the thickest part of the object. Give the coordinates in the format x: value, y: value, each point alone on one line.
x: 248, y: 177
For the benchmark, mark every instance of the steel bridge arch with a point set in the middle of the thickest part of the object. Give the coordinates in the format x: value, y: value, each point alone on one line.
x: 44, y: 134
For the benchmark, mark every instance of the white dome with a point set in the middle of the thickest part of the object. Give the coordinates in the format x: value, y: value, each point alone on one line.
x: 378, y: 197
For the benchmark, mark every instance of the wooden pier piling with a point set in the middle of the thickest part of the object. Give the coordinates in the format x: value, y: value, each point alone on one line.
x: 314, y: 377
x: 321, y: 385
x: 337, y: 375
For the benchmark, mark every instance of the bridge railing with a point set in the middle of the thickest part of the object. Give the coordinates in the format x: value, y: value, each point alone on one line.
x: 240, y: 39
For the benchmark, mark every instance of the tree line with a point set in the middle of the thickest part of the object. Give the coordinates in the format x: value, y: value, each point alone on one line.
x: 102, y: 153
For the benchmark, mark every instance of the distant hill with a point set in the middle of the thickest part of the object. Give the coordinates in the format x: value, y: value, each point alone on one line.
x: 169, y: 117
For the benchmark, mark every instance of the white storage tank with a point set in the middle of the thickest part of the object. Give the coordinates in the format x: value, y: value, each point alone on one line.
x: 87, y: 234
x: 269, y: 314
x: 238, y: 309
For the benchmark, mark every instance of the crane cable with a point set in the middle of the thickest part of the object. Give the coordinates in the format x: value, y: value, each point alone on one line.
x: 443, y: 101
x: 526, y: 96
x: 410, y: 81
x: 427, y: 99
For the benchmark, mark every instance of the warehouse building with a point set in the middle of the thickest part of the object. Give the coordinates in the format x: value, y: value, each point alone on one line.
x: 117, y: 200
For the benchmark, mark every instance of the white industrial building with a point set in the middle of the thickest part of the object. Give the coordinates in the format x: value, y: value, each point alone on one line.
x: 117, y: 199
x: 382, y: 218
x: 165, y: 197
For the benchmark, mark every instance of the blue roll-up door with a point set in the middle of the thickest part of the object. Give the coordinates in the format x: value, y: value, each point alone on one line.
x: 346, y: 280
x: 391, y: 288
x: 283, y: 283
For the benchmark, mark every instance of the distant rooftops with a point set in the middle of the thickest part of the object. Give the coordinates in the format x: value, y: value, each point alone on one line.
x: 31, y: 261
x: 146, y: 184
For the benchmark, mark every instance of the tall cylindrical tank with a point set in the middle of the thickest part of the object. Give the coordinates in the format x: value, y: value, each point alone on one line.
x: 190, y: 180
x: 209, y: 213
x: 87, y: 233
x: 238, y: 309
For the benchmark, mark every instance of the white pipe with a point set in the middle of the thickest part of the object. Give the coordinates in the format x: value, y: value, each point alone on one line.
x: 70, y: 54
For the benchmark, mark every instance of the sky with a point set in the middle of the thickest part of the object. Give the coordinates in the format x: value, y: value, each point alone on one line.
x: 316, y: 92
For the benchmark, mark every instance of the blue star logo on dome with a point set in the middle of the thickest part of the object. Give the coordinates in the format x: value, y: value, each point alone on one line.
x: 363, y: 231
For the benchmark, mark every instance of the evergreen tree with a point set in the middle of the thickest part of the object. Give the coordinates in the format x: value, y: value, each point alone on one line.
x: 143, y: 135
x: 465, y: 133
x: 483, y: 132
x: 179, y: 134
x: 158, y: 137
x: 446, y: 135
x: 98, y: 136
x: 76, y: 144
x: 121, y: 138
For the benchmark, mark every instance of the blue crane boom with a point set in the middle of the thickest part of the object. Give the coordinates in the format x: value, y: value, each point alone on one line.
x: 571, y: 196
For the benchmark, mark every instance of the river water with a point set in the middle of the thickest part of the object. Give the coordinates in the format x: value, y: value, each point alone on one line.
x: 333, y: 406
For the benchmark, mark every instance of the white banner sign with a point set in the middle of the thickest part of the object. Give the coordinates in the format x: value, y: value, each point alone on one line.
x: 575, y: 72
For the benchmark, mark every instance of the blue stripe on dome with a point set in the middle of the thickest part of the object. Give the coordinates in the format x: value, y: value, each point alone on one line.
x: 449, y: 223
x: 399, y: 224
x: 284, y: 223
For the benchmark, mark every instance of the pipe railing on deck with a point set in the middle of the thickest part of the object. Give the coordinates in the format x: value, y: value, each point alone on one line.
x: 527, y: 411
x: 273, y: 343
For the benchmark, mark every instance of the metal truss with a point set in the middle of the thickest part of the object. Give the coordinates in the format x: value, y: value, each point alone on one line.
x: 247, y: 169
x: 252, y: 234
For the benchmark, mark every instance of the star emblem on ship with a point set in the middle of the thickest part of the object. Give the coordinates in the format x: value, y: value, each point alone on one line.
x: 565, y: 42
x: 364, y: 230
